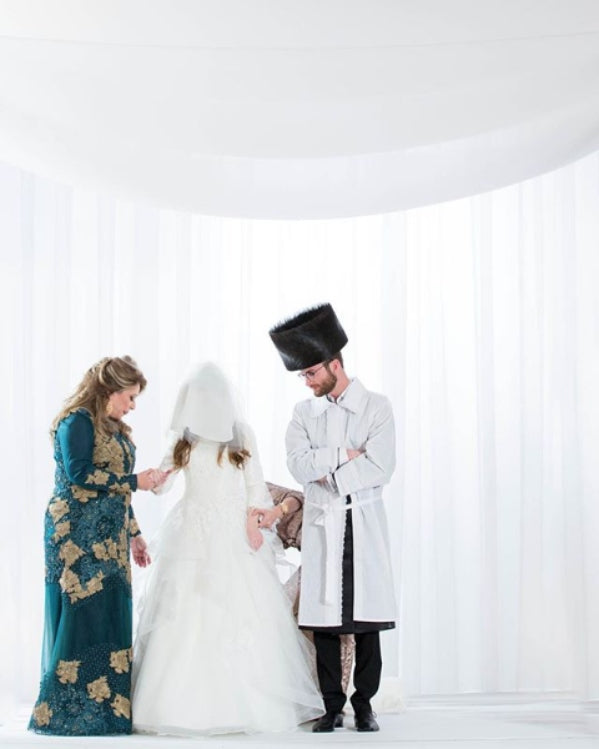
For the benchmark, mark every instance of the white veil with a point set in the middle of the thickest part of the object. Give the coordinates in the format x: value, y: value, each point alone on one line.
x: 207, y: 407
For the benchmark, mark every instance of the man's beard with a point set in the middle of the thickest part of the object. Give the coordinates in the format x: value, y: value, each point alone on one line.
x: 324, y: 388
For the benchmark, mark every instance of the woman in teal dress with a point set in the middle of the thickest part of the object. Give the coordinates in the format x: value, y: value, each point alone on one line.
x: 90, y: 528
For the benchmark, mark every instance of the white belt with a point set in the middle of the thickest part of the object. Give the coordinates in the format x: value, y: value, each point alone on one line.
x: 326, y: 520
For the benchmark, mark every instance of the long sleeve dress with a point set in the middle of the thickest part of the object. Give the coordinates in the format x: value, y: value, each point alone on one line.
x: 217, y: 648
x: 86, y: 654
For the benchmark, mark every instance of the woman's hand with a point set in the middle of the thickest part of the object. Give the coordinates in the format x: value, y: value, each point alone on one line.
x: 267, y: 517
x: 151, y: 478
x: 139, y: 551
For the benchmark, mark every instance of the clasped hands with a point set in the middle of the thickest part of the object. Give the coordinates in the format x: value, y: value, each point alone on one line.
x: 260, y: 518
x: 266, y: 517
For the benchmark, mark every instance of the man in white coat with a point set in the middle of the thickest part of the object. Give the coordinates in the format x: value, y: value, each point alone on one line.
x: 341, y: 448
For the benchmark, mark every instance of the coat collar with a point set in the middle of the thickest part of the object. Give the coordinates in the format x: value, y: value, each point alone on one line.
x: 353, y: 399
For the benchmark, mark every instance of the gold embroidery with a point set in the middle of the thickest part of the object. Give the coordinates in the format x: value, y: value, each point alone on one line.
x: 124, y: 488
x: 42, y: 714
x: 71, y: 584
x: 69, y: 581
x: 119, y: 661
x: 112, y: 548
x: 122, y: 550
x: 109, y: 549
x: 100, y: 551
x: 62, y: 529
x: 68, y: 671
x: 121, y: 706
x: 126, y: 447
x: 133, y: 527
x: 57, y: 508
x: 98, y: 690
x: 70, y: 553
x: 109, y: 452
x: 97, y: 477
x: 94, y: 585
x: 83, y: 495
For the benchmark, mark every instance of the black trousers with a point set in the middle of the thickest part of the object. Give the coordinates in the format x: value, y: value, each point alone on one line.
x: 368, y: 663
x: 367, y: 670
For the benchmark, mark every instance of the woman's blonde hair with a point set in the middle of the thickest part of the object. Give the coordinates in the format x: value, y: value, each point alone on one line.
x: 110, y: 375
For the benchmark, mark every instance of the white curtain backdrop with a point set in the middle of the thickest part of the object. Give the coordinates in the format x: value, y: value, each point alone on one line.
x: 479, y: 318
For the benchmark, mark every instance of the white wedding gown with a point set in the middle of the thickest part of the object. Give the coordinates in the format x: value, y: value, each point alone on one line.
x: 217, y: 649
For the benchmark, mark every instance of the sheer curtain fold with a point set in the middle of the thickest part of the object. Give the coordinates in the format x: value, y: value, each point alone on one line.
x: 478, y: 318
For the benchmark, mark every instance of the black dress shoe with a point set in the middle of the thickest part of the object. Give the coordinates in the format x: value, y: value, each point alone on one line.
x: 328, y: 722
x: 365, y: 721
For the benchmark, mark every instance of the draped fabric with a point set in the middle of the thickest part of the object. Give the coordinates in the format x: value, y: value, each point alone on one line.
x: 478, y: 318
x: 284, y: 110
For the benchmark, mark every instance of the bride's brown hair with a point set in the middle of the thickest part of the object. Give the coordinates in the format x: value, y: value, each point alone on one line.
x: 238, y: 456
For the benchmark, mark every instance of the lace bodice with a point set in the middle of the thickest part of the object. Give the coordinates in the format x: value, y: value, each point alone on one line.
x: 216, y: 497
x: 214, y: 494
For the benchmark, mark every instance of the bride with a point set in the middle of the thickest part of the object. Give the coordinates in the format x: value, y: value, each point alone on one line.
x: 217, y: 648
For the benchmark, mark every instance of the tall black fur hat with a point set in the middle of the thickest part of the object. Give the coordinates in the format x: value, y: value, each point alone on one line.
x: 309, y: 337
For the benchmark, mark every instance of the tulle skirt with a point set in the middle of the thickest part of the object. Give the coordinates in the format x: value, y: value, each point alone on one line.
x: 217, y: 649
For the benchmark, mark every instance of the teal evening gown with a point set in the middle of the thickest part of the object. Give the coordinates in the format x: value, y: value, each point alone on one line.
x: 86, y: 654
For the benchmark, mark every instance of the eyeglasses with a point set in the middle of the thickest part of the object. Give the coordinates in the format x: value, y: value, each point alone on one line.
x: 310, y: 374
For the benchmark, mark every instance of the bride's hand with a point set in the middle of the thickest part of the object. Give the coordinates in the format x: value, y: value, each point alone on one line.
x: 160, y: 477
x: 254, y: 535
x: 255, y: 538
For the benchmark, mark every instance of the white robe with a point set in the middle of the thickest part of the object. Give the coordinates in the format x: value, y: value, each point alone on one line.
x: 317, y: 440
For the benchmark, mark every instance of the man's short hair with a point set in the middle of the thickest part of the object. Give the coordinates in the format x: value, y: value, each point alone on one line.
x: 338, y: 356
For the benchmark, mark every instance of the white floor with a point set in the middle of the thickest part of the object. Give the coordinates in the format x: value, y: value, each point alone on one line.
x: 551, y: 725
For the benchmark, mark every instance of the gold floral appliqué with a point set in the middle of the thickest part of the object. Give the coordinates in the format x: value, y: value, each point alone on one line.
x: 42, y: 714
x: 71, y: 584
x: 83, y: 495
x: 70, y: 553
x: 134, y: 527
x: 119, y: 661
x: 109, y: 452
x: 62, y: 529
x: 98, y: 690
x: 57, y: 508
x: 97, y: 477
x: 68, y: 671
x: 121, y: 706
